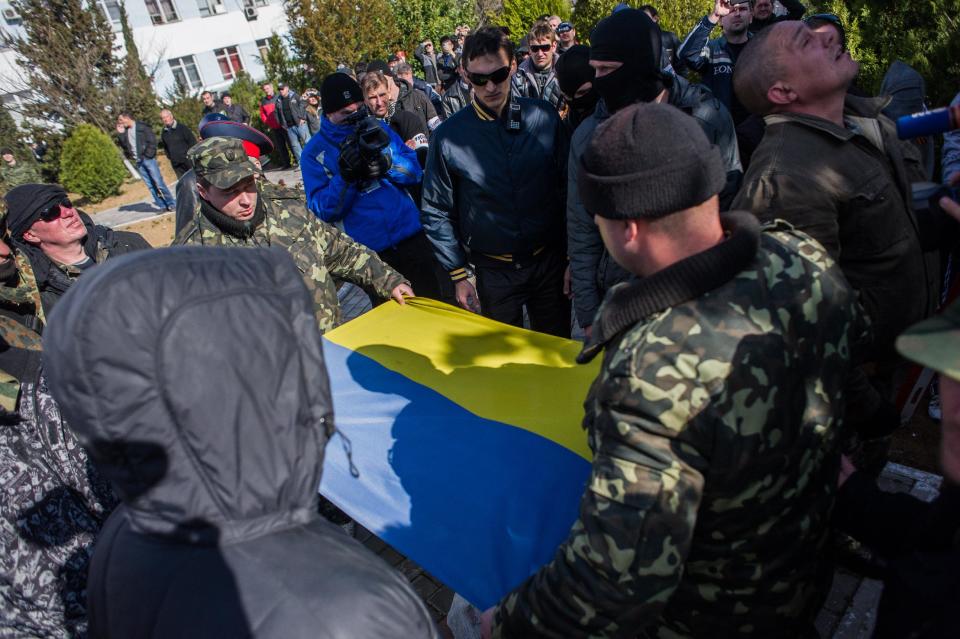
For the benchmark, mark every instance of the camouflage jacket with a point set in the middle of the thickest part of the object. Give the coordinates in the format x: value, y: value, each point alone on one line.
x: 320, y: 251
x: 714, y: 426
x: 20, y: 173
x: 54, y: 505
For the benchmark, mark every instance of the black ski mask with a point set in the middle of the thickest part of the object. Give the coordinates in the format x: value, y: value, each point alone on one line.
x: 631, y: 37
x: 573, y: 70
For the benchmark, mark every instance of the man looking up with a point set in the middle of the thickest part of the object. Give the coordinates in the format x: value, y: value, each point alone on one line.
x: 715, y: 59
x: 705, y: 515
x: 368, y: 198
x: 60, y: 242
x: 831, y: 165
x: 626, y: 54
x: 235, y: 210
x: 494, y: 195
x: 535, y: 77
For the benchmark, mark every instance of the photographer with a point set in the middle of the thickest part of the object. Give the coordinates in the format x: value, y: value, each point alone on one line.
x: 356, y: 172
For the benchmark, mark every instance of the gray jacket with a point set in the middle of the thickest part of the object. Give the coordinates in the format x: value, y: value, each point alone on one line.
x: 592, y: 271
x: 218, y: 534
x: 297, y: 109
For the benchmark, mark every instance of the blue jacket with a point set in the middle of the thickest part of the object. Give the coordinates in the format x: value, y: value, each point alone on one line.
x: 380, y: 218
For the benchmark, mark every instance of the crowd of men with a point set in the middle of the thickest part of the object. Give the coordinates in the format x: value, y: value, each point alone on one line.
x: 744, y: 254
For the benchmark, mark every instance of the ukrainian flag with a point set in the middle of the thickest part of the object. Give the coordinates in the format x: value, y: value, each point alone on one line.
x: 466, y: 435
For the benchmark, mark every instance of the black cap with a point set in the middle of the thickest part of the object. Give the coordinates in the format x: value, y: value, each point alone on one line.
x: 573, y: 69
x: 337, y: 91
x: 225, y: 94
x: 379, y: 65
x: 27, y: 202
x: 6, y: 151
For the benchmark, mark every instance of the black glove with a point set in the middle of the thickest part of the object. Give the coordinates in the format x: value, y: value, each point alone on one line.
x: 378, y: 168
x: 352, y: 166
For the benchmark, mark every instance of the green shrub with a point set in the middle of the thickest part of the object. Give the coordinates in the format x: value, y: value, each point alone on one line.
x: 90, y: 164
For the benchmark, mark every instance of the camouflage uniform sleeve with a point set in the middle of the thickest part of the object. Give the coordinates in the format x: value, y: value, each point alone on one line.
x: 625, y: 554
x: 348, y: 260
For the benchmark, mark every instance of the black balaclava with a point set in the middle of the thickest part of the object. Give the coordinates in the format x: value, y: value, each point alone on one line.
x: 573, y: 70
x: 631, y: 37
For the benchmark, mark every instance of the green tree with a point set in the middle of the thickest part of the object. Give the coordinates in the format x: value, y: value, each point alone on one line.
x: 277, y: 63
x: 679, y: 16
x: 246, y: 92
x: 66, y: 59
x: 11, y: 136
x: 324, y: 33
x: 519, y: 15
x: 137, y: 95
x: 418, y: 20
x: 90, y: 164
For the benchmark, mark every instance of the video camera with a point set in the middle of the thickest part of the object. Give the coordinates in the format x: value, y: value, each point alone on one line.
x: 368, y: 135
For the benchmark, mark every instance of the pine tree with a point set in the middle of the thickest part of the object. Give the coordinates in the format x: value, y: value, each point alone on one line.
x: 67, y: 61
x: 324, y: 33
x: 10, y: 136
x: 137, y: 96
x: 277, y: 63
x: 421, y: 19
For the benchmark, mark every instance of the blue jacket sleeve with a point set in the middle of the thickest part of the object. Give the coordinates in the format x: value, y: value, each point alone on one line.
x: 691, y: 51
x: 328, y: 195
x: 405, y: 170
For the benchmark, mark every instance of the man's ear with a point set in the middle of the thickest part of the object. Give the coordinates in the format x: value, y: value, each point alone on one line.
x: 630, y: 229
x: 780, y: 93
x: 202, y: 192
x: 31, y: 237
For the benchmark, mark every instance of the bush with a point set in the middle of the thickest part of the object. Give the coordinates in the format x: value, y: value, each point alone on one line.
x: 90, y: 164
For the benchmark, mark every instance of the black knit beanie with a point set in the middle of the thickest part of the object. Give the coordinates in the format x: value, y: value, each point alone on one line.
x: 631, y: 37
x: 647, y: 161
x: 337, y: 91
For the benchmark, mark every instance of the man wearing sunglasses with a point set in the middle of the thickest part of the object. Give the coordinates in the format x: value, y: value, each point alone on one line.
x: 60, y: 242
x: 535, y: 77
x: 715, y: 59
x: 494, y: 193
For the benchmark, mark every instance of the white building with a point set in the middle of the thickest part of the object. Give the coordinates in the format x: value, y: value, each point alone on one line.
x: 200, y: 43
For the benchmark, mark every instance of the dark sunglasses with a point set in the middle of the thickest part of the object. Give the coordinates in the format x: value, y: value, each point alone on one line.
x: 53, y: 212
x: 542, y: 48
x: 480, y: 79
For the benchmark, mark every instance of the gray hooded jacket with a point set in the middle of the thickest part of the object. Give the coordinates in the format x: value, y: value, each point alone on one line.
x: 195, y: 378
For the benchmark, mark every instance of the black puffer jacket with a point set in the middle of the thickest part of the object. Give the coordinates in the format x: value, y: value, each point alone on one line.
x: 210, y: 419
x: 493, y: 189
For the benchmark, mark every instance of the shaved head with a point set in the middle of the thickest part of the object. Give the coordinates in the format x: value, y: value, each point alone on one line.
x: 759, y: 66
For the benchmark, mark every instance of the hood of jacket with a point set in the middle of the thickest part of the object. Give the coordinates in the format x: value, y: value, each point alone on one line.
x: 195, y: 378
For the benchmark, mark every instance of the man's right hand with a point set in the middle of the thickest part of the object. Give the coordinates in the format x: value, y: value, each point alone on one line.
x: 352, y: 166
x: 720, y: 9
x: 467, y: 296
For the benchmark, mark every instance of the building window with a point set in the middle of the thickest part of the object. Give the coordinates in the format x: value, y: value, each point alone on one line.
x: 260, y: 3
x: 211, y: 7
x: 111, y: 9
x: 229, y: 60
x: 262, y: 46
x: 162, y: 11
x: 185, y: 72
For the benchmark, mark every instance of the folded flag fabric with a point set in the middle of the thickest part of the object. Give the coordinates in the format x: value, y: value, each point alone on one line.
x: 466, y: 435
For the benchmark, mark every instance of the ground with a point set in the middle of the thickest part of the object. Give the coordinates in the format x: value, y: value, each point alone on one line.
x: 133, y: 191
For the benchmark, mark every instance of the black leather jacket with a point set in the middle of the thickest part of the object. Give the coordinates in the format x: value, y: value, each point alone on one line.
x: 493, y: 189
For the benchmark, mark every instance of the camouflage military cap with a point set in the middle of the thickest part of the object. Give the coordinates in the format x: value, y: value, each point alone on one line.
x: 935, y: 342
x: 221, y: 161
